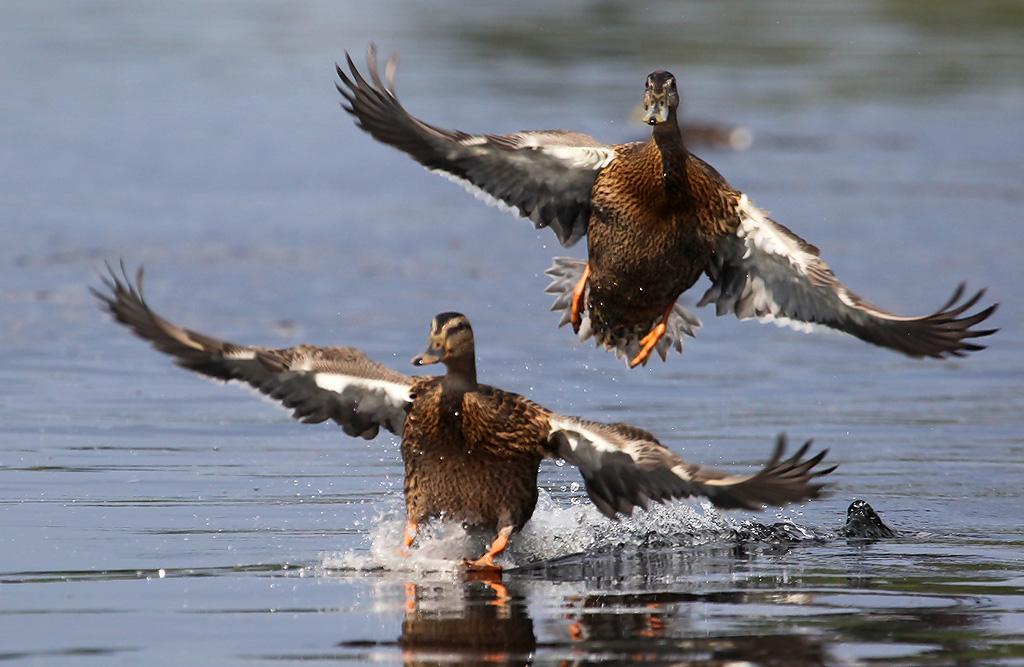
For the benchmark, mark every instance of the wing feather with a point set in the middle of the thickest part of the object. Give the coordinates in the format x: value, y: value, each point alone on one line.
x: 545, y: 176
x: 317, y: 383
x: 766, y: 271
x: 624, y: 466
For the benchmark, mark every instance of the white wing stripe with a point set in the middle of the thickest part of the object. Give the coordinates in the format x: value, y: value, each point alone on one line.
x: 473, y: 141
x: 588, y: 447
x: 758, y: 233
x: 591, y: 157
x: 680, y: 472
x: 395, y: 394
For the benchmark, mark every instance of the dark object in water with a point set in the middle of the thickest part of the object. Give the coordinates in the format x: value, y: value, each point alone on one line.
x: 863, y: 521
x: 717, y: 135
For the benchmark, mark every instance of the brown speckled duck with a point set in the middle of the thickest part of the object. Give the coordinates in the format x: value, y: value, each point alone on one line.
x: 656, y: 218
x: 471, y: 451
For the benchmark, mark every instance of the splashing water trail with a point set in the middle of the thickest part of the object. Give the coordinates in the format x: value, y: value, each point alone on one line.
x: 555, y: 531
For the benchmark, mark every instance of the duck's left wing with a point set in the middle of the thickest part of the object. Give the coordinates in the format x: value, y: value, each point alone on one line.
x: 317, y: 383
x: 764, y: 270
x: 545, y: 176
x: 624, y: 466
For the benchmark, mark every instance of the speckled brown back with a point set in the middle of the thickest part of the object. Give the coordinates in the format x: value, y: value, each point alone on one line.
x: 472, y: 456
x: 657, y: 214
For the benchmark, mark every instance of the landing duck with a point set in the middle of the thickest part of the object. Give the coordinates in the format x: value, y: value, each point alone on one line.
x: 471, y: 451
x: 656, y: 218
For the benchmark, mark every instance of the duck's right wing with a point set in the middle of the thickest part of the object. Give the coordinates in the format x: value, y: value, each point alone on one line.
x: 545, y: 176
x: 764, y: 270
x: 316, y: 383
x: 624, y: 466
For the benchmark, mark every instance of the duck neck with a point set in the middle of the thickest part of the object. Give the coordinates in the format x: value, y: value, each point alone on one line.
x: 461, y: 375
x: 669, y: 140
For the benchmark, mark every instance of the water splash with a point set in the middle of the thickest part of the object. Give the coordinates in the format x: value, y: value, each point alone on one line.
x: 557, y: 530
x: 440, y: 547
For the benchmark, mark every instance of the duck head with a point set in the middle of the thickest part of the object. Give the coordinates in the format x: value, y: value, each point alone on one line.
x: 661, y: 99
x: 450, y: 342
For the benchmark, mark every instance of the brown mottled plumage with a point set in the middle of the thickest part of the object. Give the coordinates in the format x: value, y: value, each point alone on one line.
x: 472, y: 455
x: 471, y: 451
x: 656, y: 218
x: 634, y: 276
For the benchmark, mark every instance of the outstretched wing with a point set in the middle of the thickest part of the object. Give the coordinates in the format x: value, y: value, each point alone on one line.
x: 545, y: 176
x: 764, y: 270
x: 624, y: 466
x: 316, y: 383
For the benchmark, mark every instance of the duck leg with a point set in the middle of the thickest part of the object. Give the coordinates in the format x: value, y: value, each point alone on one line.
x: 650, y: 341
x: 578, y: 293
x: 411, y: 528
x: 486, y: 562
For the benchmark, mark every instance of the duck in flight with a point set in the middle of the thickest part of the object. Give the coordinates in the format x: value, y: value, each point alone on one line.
x: 471, y: 451
x: 656, y: 218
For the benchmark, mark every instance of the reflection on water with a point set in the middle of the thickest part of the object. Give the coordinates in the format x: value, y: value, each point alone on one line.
x: 717, y: 604
x: 484, y: 621
x: 780, y: 594
x: 735, y: 613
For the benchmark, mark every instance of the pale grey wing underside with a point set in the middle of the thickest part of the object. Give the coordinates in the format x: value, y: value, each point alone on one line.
x: 624, y: 467
x: 316, y: 383
x: 766, y: 271
x: 545, y: 176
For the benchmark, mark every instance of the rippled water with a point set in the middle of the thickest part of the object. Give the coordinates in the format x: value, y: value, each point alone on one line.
x: 148, y: 516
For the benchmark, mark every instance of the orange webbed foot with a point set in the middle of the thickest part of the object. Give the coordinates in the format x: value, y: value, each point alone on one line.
x: 578, y: 293
x: 483, y: 564
x: 649, y: 342
x: 647, y: 345
x: 486, y: 562
x: 411, y: 528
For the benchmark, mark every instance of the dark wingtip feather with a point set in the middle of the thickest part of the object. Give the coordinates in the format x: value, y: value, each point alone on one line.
x: 803, y: 450
x: 826, y: 471
x: 781, y: 442
x: 356, y: 74
x: 957, y: 293
x: 344, y: 78
x: 942, y: 334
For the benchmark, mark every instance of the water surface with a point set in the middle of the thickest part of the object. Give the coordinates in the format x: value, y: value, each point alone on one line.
x: 149, y: 516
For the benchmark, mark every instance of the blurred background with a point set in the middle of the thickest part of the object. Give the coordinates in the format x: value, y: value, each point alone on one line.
x: 205, y: 140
